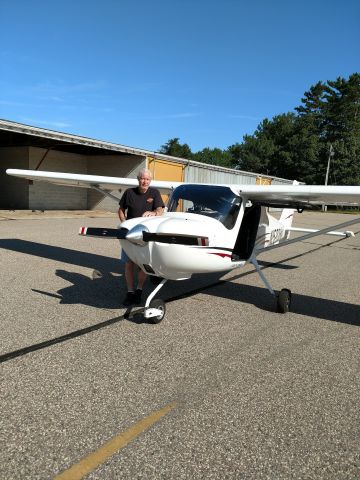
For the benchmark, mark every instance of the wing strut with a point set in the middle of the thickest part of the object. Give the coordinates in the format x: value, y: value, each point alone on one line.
x: 262, y: 276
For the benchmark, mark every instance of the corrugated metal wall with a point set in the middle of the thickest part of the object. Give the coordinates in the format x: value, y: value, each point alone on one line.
x: 280, y: 181
x: 203, y: 173
x: 207, y: 174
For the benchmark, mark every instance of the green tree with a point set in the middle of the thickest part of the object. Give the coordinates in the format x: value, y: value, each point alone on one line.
x: 296, y: 145
x: 214, y: 156
x: 174, y: 148
x: 342, y: 110
x: 305, y: 146
x: 267, y: 150
x: 333, y: 108
x: 313, y: 103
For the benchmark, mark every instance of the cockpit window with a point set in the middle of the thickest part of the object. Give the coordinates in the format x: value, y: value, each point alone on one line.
x: 216, y: 202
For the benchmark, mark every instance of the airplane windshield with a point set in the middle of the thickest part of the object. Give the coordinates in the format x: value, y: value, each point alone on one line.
x: 216, y: 202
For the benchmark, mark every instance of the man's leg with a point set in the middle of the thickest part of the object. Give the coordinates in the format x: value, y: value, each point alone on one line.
x: 129, y: 275
x: 129, y: 278
x: 142, y: 276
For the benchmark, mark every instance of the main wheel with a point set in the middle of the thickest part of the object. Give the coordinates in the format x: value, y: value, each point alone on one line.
x: 160, y: 304
x: 284, y: 300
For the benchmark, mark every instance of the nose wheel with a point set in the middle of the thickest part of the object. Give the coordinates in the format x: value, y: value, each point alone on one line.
x: 155, y: 312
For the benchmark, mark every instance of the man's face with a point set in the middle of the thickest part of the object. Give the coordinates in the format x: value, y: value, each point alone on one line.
x: 144, y: 182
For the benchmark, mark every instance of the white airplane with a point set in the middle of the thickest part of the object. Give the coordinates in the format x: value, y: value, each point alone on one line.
x: 208, y: 228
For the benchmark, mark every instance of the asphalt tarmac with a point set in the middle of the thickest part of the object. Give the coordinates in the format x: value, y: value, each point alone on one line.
x: 248, y: 393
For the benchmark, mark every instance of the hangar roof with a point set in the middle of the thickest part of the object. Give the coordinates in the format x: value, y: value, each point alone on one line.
x: 18, y: 134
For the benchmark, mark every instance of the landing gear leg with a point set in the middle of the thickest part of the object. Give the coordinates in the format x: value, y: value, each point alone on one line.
x: 283, y: 299
x: 155, y: 309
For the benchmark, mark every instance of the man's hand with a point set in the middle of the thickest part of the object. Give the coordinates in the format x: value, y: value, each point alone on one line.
x: 149, y: 214
x: 159, y: 211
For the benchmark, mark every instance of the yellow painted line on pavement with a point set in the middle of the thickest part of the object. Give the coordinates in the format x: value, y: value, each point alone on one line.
x: 92, y: 461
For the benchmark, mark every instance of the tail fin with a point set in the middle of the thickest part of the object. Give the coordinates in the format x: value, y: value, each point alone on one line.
x: 287, y: 215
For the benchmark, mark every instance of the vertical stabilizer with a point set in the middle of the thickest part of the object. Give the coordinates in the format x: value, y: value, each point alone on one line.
x: 287, y: 215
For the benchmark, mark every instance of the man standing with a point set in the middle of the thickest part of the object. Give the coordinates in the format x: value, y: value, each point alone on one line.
x: 141, y: 201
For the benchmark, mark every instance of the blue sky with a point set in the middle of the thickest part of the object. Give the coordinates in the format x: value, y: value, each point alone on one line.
x: 141, y: 72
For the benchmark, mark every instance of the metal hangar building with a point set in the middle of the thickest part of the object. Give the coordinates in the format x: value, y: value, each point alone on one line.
x: 33, y: 148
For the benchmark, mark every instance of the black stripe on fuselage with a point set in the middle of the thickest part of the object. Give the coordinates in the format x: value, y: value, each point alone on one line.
x: 172, y: 239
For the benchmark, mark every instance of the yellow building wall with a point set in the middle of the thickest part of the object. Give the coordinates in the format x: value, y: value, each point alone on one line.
x: 263, y: 181
x: 167, y: 171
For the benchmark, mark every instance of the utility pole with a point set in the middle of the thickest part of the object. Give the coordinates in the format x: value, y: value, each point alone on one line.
x: 331, y: 154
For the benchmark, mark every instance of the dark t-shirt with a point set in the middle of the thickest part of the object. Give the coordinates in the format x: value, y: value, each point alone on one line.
x: 136, y: 203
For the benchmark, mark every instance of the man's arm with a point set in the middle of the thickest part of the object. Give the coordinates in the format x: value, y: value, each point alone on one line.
x: 123, y: 206
x: 159, y: 211
x: 121, y: 213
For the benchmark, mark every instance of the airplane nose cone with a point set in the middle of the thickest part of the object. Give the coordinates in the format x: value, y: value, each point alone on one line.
x: 135, y: 235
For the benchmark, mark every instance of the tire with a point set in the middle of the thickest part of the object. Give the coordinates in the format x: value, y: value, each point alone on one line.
x: 160, y: 304
x: 284, y: 301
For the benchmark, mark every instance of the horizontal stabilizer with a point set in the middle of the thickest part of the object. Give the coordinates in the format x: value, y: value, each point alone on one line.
x: 312, y: 234
x: 347, y: 233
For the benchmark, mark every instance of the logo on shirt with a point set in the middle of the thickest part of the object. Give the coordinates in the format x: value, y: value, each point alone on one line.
x: 150, y: 200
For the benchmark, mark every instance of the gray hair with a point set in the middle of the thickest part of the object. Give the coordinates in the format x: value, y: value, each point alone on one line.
x: 144, y: 170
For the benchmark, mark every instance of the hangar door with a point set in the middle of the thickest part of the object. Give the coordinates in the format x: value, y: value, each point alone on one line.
x: 167, y: 171
x: 263, y: 181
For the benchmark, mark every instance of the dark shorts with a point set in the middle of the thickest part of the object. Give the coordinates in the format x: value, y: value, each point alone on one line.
x: 123, y: 257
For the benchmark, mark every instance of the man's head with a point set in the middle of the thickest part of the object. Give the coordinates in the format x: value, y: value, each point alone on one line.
x: 144, y: 179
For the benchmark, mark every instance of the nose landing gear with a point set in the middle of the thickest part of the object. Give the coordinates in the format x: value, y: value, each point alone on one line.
x: 154, y: 310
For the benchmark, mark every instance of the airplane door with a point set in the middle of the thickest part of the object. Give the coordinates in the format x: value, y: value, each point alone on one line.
x: 245, y: 240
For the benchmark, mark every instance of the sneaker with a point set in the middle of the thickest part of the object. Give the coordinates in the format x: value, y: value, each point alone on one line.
x: 129, y: 299
x: 137, y: 296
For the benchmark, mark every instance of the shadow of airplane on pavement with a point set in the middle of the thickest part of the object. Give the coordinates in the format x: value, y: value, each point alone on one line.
x: 65, y: 255
x: 106, y: 290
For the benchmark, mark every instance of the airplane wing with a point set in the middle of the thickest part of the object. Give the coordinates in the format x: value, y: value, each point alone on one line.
x: 297, y: 196
x: 88, y: 181
x: 300, y: 196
